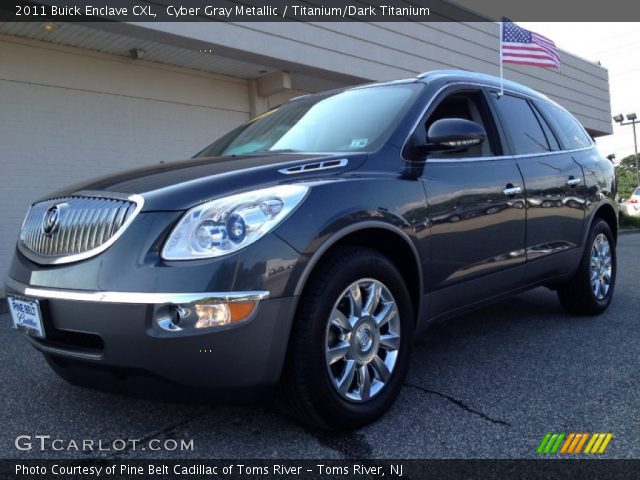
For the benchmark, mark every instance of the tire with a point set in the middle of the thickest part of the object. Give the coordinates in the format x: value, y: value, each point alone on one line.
x: 309, y: 387
x: 580, y: 295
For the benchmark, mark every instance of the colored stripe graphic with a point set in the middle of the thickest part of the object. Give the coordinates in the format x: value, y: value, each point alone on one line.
x: 598, y: 443
x: 591, y: 443
x: 567, y: 443
x: 556, y: 445
x: 543, y: 443
x: 580, y: 443
x: 604, y: 445
x: 550, y: 443
x: 574, y: 443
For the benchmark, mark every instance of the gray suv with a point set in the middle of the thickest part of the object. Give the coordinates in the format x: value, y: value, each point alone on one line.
x: 305, y: 249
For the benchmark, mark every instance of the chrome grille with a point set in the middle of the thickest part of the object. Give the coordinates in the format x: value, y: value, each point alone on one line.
x: 86, y: 225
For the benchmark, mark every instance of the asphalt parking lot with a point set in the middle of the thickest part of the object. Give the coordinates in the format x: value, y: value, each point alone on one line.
x: 489, y: 384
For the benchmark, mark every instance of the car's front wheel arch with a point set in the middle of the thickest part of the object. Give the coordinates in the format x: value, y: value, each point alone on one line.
x: 388, y: 240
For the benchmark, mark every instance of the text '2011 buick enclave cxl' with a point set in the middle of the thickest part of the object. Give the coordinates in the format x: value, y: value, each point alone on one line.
x: 306, y: 248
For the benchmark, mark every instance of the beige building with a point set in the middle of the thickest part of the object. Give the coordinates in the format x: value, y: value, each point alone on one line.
x: 75, y: 104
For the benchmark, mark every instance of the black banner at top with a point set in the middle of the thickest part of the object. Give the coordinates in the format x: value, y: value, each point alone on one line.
x: 315, y: 10
x: 241, y: 11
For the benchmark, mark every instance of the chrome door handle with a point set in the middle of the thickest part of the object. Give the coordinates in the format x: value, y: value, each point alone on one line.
x: 572, y: 182
x: 512, y: 191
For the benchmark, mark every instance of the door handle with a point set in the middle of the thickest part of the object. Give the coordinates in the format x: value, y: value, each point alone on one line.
x: 572, y: 182
x: 511, y: 190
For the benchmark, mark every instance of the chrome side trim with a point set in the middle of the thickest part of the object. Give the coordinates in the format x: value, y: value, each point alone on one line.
x: 314, y: 167
x: 34, y: 257
x: 144, y: 298
x: 471, y: 159
x: 542, y: 250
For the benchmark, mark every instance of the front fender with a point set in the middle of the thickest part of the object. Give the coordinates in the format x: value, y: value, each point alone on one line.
x: 314, y: 258
x: 334, y: 210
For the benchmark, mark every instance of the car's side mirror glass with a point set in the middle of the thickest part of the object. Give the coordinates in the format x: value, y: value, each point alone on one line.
x: 452, y: 134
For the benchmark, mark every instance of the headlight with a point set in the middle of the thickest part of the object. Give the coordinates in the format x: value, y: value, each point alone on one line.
x: 228, y: 224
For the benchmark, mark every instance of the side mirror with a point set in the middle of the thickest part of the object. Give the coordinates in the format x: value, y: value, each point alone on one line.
x: 450, y: 135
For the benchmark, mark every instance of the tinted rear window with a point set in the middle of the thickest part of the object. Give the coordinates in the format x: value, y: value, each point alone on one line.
x: 568, y: 129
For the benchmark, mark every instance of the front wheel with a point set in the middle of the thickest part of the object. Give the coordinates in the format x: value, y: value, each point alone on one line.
x: 350, y: 345
x: 590, y: 291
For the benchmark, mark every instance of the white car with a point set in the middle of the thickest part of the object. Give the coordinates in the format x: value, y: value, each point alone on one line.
x: 631, y: 206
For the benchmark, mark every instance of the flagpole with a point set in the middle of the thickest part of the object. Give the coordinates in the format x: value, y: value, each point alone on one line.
x: 501, y: 67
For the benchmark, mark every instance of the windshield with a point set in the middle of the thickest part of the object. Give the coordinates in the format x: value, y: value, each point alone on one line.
x: 358, y: 120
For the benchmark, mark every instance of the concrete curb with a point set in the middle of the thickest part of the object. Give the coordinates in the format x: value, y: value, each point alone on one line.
x: 628, y: 231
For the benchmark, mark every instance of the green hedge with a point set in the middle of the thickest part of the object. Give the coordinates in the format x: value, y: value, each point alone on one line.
x: 629, y: 222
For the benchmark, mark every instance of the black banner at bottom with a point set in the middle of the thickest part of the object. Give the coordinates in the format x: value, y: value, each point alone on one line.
x: 317, y: 469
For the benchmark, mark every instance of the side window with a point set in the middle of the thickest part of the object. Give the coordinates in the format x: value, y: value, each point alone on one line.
x: 522, y: 124
x: 568, y: 129
x: 469, y: 106
x: 548, y: 133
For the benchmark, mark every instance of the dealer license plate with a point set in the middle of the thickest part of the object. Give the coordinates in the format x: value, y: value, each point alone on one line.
x: 26, y: 315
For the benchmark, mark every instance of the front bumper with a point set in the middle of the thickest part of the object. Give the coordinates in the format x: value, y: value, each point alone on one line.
x: 120, y: 330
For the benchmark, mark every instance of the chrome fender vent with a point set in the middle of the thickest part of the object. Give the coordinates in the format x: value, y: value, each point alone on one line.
x: 315, y: 167
x: 68, y: 229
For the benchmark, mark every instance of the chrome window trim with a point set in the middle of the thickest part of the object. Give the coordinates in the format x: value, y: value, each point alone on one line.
x: 507, y: 157
x: 500, y: 157
x: 140, y: 298
x: 42, y: 260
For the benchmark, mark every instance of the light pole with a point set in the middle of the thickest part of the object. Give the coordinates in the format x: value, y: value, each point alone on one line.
x: 632, y: 120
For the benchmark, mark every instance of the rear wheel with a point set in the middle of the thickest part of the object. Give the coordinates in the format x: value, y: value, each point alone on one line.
x: 350, y: 345
x: 590, y: 291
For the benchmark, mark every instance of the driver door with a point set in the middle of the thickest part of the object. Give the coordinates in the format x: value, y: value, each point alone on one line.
x: 476, y: 211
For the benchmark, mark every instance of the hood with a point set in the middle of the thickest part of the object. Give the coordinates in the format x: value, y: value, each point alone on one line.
x: 182, y: 184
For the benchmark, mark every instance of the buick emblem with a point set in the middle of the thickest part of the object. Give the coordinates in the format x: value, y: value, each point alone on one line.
x: 51, y: 220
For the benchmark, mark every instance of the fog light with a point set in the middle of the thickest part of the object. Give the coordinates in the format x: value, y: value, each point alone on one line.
x: 217, y: 314
x: 212, y: 315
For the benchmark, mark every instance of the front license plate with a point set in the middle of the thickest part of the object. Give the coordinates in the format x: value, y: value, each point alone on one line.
x: 26, y: 316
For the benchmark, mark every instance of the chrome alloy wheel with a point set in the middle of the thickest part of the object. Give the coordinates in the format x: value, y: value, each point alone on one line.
x: 600, y: 266
x: 362, y: 340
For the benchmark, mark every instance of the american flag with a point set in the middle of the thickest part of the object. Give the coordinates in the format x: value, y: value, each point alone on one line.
x: 527, y: 48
